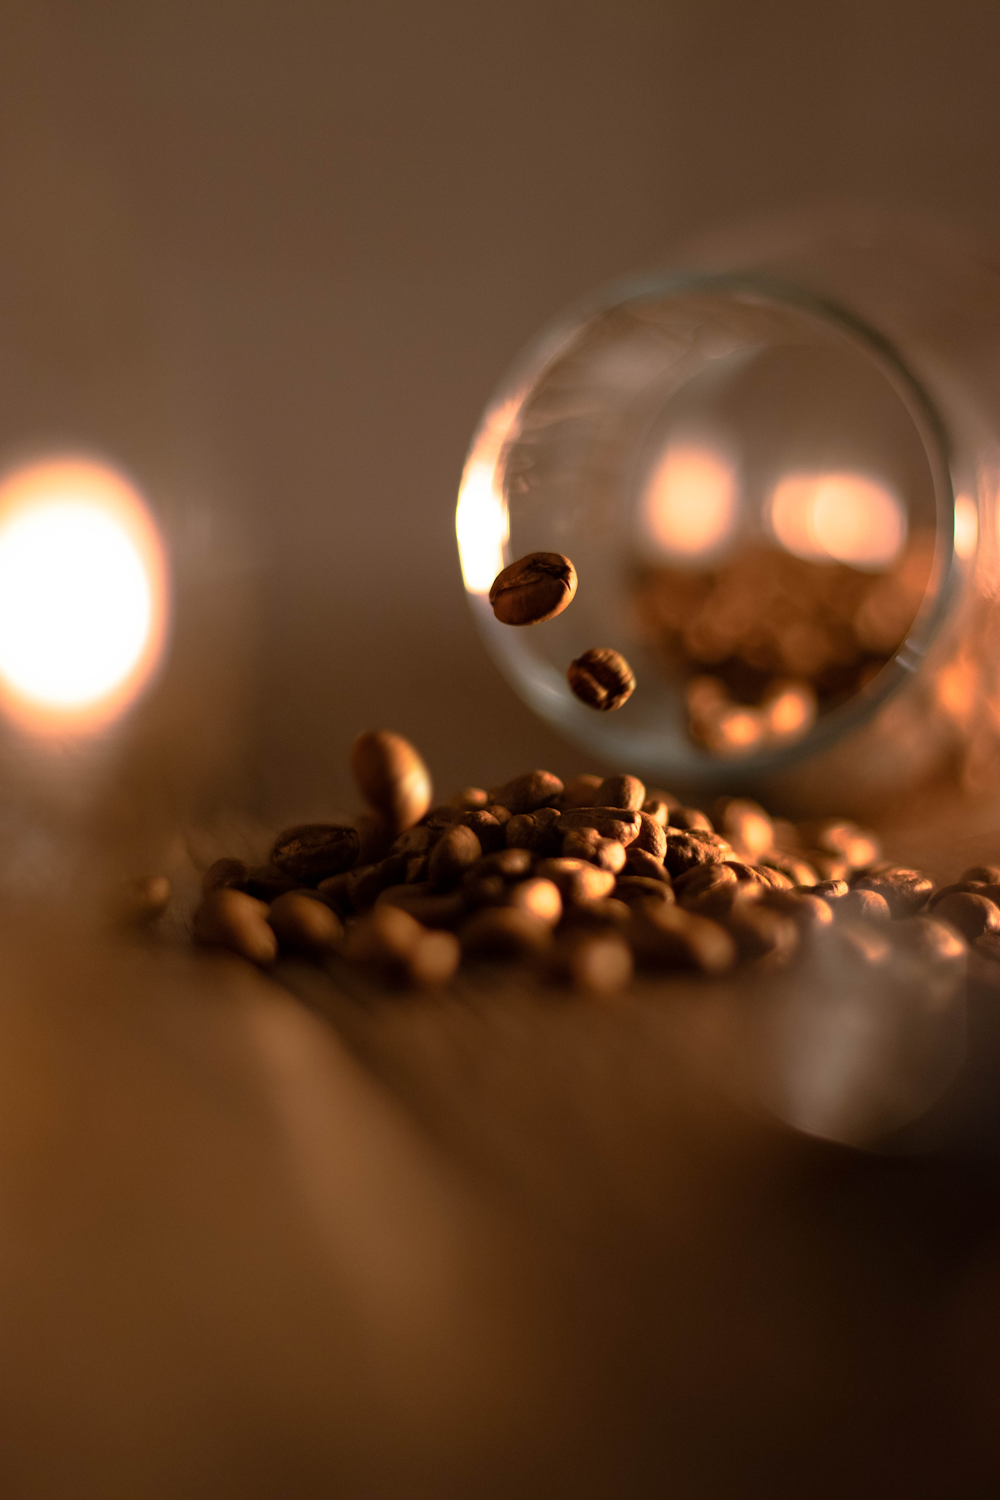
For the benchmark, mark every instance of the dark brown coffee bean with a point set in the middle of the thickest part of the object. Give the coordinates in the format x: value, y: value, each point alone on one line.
x: 689, y: 818
x: 586, y: 843
x: 455, y: 851
x: 490, y: 832
x: 511, y: 864
x: 760, y: 932
x: 976, y: 886
x: 577, y: 879
x: 141, y: 902
x: 423, y: 904
x: 533, y: 589
x: 541, y: 832
x: 484, y: 890
x: 652, y: 837
x: 972, y: 915
x: 746, y: 826
x: 602, y: 679
x: 668, y: 937
x: 638, y: 888
x: 539, y: 896
x: 417, y: 841
x: 610, y: 823
x: 797, y: 870
x: 232, y: 919
x: 685, y: 850
x: 598, y: 963
x: 580, y: 791
x: 621, y: 791
x: 718, y: 902
x: 440, y: 818
x: 311, y: 852
x: 267, y: 882
x: 906, y: 891
x: 528, y: 793
x: 774, y: 879
x: 982, y: 874
x: 375, y: 838
x: 470, y: 799
x: 504, y: 933
x: 391, y: 777
x: 641, y: 862
x: 597, y: 915
x: 658, y: 810
x: 988, y: 946
x: 700, y: 879
x: 934, y: 941
x: 225, y: 874
x: 830, y: 890
x: 304, y: 925
x: 337, y: 891
x: 369, y: 881
x: 864, y: 906
x: 805, y: 909
x: 383, y: 942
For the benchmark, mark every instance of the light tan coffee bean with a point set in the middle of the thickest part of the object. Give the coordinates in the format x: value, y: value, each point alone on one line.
x: 232, y: 919
x: 391, y: 777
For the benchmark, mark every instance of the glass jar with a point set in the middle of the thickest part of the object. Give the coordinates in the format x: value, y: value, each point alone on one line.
x: 776, y: 469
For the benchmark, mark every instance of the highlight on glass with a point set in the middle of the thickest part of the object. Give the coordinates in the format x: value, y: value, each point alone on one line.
x: 83, y: 594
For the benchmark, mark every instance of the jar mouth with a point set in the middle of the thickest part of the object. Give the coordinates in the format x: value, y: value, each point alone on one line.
x: 648, y: 373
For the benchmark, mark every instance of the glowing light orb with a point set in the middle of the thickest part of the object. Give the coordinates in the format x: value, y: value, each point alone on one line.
x: 689, y: 505
x: 846, y: 518
x: 82, y: 593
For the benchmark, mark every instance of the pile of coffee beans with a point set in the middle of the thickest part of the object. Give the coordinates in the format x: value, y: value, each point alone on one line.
x: 582, y: 881
x: 540, y: 586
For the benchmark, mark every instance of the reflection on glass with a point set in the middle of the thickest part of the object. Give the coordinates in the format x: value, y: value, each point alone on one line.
x: 82, y: 594
x: 689, y: 506
x: 846, y: 518
x: 966, y: 526
x: 482, y: 523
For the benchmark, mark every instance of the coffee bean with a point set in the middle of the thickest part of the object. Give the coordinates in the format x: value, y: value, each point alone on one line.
x: 641, y: 862
x: 424, y: 904
x: 746, y: 826
x: 971, y: 914
x: 375, y: 838
x: 859, y: 847
x: 576, y: 879
x: 225, y: 874
x: 232, y: 919
x: 533, y: 589
x: 760, y: 932
x: 984, y: 874
x: 689, y: 818
x: 311, y: 852
x: 538, y: 895
x: 684, y: 851
x: 528, y: 793
x: 830, y: 890
x: 620, y: 791
x: 504, y: 933
x: 828, y: 867
x: 934, y: 941
x: 580, y: 791
x: 455, y: 851
x: 586, y: 843
x: 906, y: 891
x: 988, y: 946
x: 668, y: 937
x: 434, y: 959
x: 541, y: 831
x: 639, y: 888
x: 598, y: 963
x: 610, y: 823
x: 602, y: 679
x: 597, y: 915
x: 304, y: 925
x: 267, y: 882
x: 490, y: 832
x: 367, y: 882
x: 470, y: 798
x: 391, y: 777
x: 336, y: 891
x: 511, y: 864
x: 864, y: 906
x: 417, y: 841
x: 141, y: 901
x: 719, y: 901
x: 652, y: 837
x: 805, y: 909
x: 441, y: 817
x: 776, y: 880
x: 658, y: 810
x: 383, y: 942
x: 700, y: 879
x: 976, y: 886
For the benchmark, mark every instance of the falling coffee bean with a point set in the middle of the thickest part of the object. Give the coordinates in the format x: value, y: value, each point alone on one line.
x: 602, y: 679
x: 535, y: 588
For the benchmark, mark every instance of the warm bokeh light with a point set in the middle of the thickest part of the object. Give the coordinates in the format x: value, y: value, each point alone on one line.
x: 689, y: 506
x: 966, y: 526
x: 846, y: 518
x: 482, y: 522
x: 82, y: 593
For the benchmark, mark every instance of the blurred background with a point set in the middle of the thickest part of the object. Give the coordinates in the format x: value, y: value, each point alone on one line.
x: 273, y: 259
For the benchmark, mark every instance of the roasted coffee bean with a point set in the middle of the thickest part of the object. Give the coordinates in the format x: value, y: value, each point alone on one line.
x: 577, y: 879
x: 933, y: 941
x: 527, y: 793
x: 597, y: 915
x: 610, y: 823
x: 621, y: 791
x: 863, y: 905
x: 746, y: 826
x: 761, y: 933
x: 641, y: 862
x: 504, y: 933
x: 511, y: 864
x: 232, y: 919
x: 267, y: 882
x: 440, y: 818
x: 337, y: 891
x: 708, y: 877
x: 580, y: 791
x: 424, y: 904
x: 383, y: 941
x: 742, y: 871
x: 142, y: 901
x: 434, y: 959
x: 369, y: 881
x: 470, y: 799
x: 972, y: 915
x: 690, y: 819
x: 304, y: 925
x: 859, y: 847
x: 225, y: 874
x: 828, y: 867
x: 906, y: 891
x: 375, y: 838
x: 864, y: 943
x: 455, y: 852
x: 391, y: 777
x: 535, y: 588
x: 652, y: 837
x: 539, y: 896
x: 805, y: 909
x: 490, y: 832
x: 586, y: 843
x: 639, y: 888
x: 719, y: 901
x: 797, y: 870
x: 598, y: 963
x: 776, y: 880
x: 657, y: 809
x: 667, y: 937
x: 988, y: 946
x: 484, y: 890
x: 685, y: 850
x: 982, y: 874
x: 978, y: 887
x: 602, y: 679
x: 311, y: 852
x: 830, y: 890
x: 417, y: 841
x: 541, y: 832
